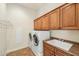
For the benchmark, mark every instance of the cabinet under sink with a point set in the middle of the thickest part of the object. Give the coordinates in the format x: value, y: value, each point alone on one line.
x: 56, y: 48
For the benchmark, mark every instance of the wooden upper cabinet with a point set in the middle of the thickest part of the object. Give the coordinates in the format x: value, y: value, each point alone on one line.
x: 77, y: 14
x: 35, y: 24
x: 42, y: 23
x: 68, y: 16
x: 64, y: 17
x: 54, y: 19
x: 38, y: 24
x: 45, y: 22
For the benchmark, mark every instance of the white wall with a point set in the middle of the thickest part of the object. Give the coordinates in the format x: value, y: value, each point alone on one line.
x: 21, y: 24
x: 2, y: 11
x: 72, y: 35
x: 3, y: 29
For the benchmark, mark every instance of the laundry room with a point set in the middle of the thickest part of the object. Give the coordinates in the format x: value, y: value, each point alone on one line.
x: 39, y: 29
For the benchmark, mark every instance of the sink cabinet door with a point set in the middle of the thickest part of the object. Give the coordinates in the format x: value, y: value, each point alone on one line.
x: 48, y: 50
x: 53, y: 51
x: 59, y: 52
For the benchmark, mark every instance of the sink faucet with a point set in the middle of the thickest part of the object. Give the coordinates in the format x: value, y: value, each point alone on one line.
x: 62, y: 40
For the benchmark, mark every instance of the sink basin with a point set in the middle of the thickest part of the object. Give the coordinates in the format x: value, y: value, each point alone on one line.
x: 64, y: 45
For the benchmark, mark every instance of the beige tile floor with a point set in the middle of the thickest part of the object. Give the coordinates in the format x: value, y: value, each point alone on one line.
x: 22, y: 52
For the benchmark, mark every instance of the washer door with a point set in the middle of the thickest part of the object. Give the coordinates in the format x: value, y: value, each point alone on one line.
x: 36, y: 41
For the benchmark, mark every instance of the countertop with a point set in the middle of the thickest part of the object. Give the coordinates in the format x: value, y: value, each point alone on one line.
x: 74, y: 50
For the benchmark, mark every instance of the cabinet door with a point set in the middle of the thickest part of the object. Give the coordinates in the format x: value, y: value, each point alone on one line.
x: 48, y: 50
x: 37, y: 24
x: 54, y: 19
x: 59, y: 52
x: 45, y: 22
x: 68, y: 16
x: 77, y: 14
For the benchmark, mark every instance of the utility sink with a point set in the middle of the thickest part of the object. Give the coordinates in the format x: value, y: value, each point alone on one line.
x: 61, y: 44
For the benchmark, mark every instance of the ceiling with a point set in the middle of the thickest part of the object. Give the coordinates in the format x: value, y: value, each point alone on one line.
x: 34, y: 6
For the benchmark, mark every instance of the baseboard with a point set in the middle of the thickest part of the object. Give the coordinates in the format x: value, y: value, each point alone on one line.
x: 8, y: 51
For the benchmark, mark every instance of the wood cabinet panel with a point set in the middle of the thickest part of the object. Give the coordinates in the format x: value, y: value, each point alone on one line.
x: 54, y: 19
x: 77, y: 14
x: 64, y: 17
x: 59, y: 52
x: 48, y: 50
x: 45, y: 22
x: 53, y: 51
x: 48, y: 46
x: 37, y: 24
x: 42, y: 23
x: 46, y: 53
x: 67, y: 16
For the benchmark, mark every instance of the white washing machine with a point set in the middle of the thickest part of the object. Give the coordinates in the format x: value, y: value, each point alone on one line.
x: 38, y: 48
